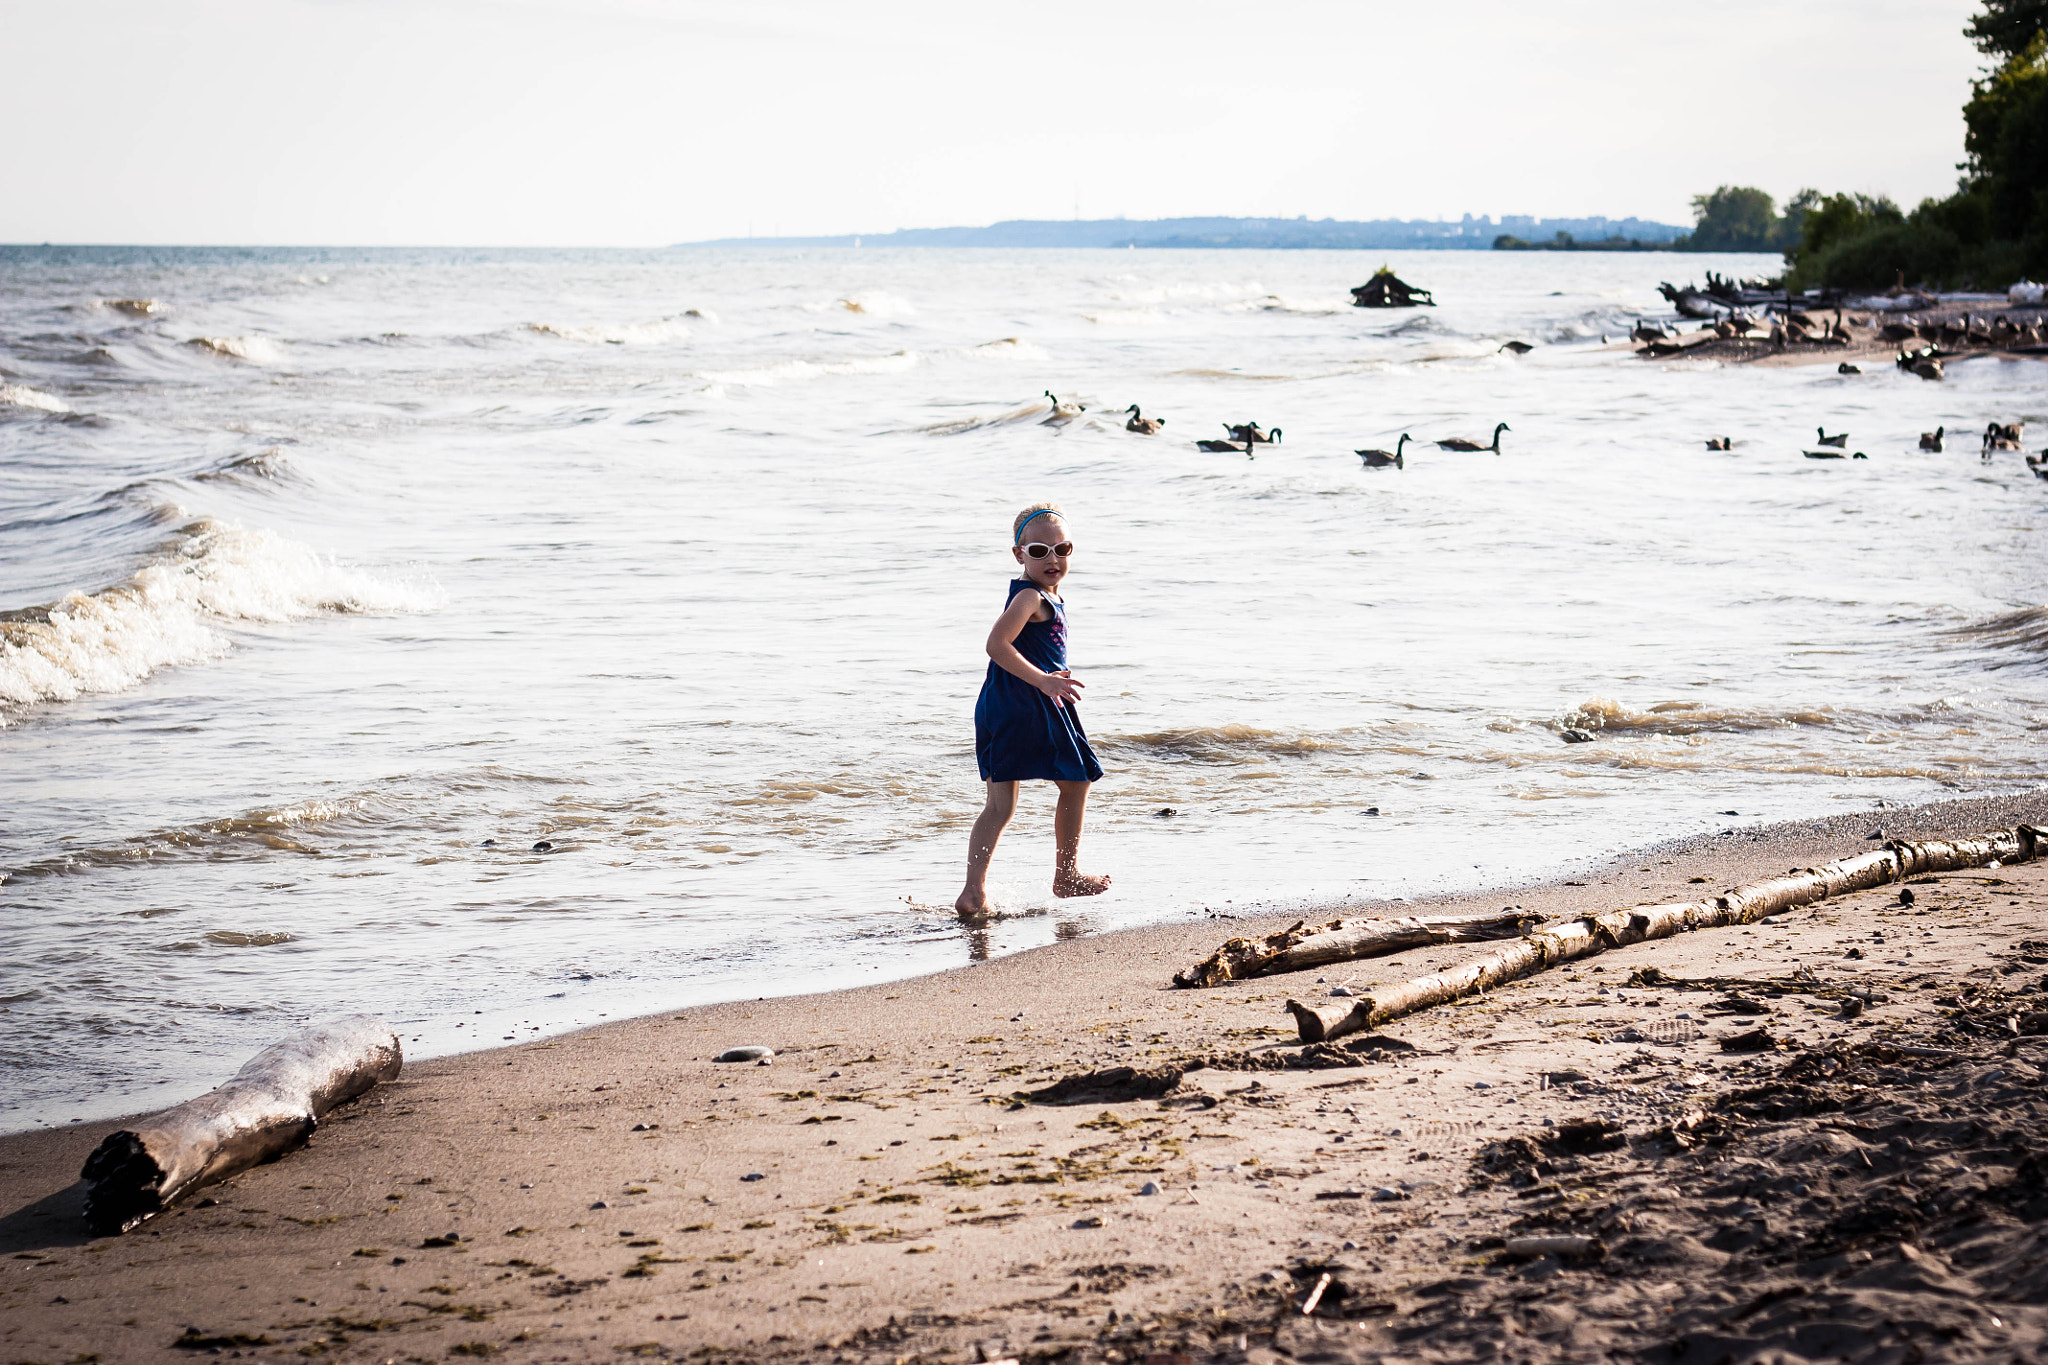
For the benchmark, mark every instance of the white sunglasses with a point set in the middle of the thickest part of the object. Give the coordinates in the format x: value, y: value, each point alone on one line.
x: 1039, y: 550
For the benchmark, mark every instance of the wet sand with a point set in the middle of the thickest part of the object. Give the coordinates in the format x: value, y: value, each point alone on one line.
x: 877, y: 1194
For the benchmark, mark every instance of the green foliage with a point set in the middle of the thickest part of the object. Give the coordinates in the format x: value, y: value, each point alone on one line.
x: 1994, y: 229
x: 2006, y: 26
x: 2006, y: 123
x: 1734, y: 218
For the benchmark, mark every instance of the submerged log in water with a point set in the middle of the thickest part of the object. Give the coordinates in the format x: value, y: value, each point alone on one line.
x: 271, y: 1106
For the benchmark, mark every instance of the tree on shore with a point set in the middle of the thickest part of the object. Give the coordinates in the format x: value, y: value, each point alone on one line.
x: 1744, y: 218
x: 1994, y: 228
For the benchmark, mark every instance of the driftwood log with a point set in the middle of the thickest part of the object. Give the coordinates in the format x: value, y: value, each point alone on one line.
x: 1745, y: 904
x: 1302, y: 946
x: 271, y: 1106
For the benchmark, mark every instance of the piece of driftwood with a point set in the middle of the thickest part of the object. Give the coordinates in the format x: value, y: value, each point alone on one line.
x: 1591, y: 934
x: 1387, y: 290
x: 271, y: 1106
x: 1303, y: 946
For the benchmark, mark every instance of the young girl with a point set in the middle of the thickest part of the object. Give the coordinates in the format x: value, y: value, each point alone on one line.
x: 1025, y: 726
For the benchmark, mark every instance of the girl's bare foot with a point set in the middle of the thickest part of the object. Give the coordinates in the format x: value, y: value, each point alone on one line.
x: 1080, y: 884
x: 972, y: 906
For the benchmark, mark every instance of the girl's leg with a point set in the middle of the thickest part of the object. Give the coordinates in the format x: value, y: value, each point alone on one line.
x: 981, y: 846
x: 1067, y: 878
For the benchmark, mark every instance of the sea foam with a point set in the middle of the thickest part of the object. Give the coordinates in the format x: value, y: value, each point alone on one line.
x: 172, y: 611
x: 22, y: 396
x: 254, y: 349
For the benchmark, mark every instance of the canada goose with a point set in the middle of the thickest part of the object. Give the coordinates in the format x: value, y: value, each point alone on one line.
x: 1518, y: 347
x: 1927, y: 368
x: 1839, y: 440
x: 1931, y: 440
x: 1062, y: 413
x: 1825, y: 455
x: 1720, y: 443
x: 1647, y: 331
x: 1221, y: 447
x: 1140, y: 423
x: 1249, y: 433
x: 1998, y: 437
x: 1380, y: 459
x: 1846, y: 368
x: 1460, y: 443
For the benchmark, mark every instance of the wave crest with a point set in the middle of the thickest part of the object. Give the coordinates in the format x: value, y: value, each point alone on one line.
x: 624, y: 334
x: 256, y: 350
x: 2025, y: 630
x: 22, y: 396
x: 1688, y: 718
x: 171, y: 611
x: 1224, y: 744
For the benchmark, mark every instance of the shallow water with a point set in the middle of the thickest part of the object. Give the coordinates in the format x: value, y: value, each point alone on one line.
x: 681, y: 561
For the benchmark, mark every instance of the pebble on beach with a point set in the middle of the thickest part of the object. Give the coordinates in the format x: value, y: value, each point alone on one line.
x: 745, y: 1054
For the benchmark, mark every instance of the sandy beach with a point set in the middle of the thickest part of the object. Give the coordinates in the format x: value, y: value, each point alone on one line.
x: 1871, y: 1185
x: 1865, y: 344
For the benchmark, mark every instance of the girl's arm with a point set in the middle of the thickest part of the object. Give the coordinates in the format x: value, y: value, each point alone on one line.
x: 1002, y: 647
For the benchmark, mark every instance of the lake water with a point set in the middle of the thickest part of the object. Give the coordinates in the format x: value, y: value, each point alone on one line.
x: 341, y: 579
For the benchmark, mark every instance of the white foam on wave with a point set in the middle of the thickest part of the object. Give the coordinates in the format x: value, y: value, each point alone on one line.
x: 257, y: 350
x: 619, y: 334
x: 22, y: 396
x: 784, y: 371
x: 873, y: 305
x: 173, y: 609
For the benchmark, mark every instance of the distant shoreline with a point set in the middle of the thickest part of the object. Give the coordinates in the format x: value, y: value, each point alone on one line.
x: 1470, y: 233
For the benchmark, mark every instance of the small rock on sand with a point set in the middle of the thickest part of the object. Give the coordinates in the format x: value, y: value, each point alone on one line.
x: 745, y: 1054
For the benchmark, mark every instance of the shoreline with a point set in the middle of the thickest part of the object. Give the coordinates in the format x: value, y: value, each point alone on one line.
x: 876, y: 1192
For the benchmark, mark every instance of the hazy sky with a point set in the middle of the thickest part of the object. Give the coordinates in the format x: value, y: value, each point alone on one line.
x: 632, y: 122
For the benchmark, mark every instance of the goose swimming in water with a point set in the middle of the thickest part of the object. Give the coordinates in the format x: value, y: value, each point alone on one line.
x: 1143, y: 425
x: 1518, y: 347
x: 1720, y: 443
x: 1839, y: 441
x: 1249, y: 433
x: 1931, y: 440
x: 1062, y: 413
x: 1222, y: 447
x: 1460, y: 443
x: 1380, y: 459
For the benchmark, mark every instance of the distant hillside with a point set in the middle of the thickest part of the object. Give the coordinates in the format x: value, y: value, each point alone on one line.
x: 1467, y: 234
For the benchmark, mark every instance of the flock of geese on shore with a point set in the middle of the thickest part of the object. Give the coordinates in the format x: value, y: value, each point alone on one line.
x: 1244, y: 438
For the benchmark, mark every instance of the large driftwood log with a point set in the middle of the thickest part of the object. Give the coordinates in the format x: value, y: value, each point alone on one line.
x: 1302, y: 946
x: 271, y: 1106
x: 1745, y: 904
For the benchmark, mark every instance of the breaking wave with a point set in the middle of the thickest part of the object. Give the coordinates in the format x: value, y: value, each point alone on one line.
x: 172, y: 611
x: 256, y: 350
x: 2025, y: 630
x: 1224, y: 744
x: 626, y: 334
x: 784, y: 371
x: 1691, y: 718
x: 22, y: 396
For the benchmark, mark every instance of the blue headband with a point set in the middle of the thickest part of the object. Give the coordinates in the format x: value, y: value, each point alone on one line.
x: 1041, y: 512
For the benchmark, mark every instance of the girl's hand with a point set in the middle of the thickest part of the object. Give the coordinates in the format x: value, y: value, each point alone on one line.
x: 1062, y: 687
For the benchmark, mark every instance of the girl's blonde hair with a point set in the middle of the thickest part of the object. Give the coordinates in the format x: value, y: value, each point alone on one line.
x: 1017, y: 526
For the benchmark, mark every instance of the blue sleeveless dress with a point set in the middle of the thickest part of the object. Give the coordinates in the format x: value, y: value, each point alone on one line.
x: 1019, y: 735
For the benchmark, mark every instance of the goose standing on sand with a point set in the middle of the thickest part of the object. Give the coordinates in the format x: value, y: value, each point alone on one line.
x: 1931, y: 440
x: 1062, y: 413
x: 1840, y: 440
x: 1380, y: 459
x: 1460, y: 443
x: 1143, y: 425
